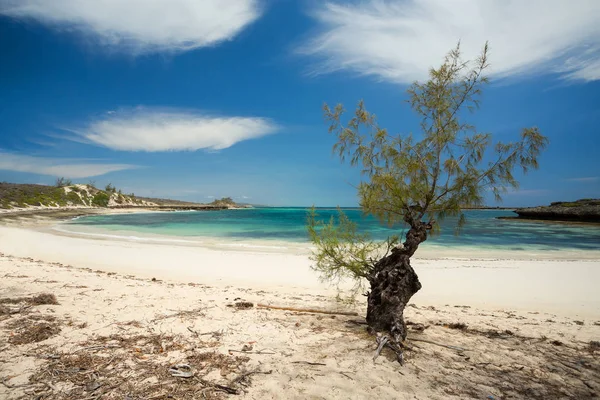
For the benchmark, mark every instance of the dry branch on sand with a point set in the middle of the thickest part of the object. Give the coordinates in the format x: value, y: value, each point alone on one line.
x: 307, y: 310
x: 41, y: 299
x: 139, y: 367
x: 35, y: 333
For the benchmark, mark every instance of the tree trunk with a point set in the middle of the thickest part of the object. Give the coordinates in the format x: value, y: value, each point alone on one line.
x: 393, y: 282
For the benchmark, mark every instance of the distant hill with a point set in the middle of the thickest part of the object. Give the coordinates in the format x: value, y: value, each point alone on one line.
x: 14, y: 195
x: 228, y: 202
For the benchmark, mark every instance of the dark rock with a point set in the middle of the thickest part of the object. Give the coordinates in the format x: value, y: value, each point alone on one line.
x: 584, y: 210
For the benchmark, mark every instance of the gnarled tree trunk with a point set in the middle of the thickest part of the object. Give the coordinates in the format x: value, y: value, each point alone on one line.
x: 393, y: 282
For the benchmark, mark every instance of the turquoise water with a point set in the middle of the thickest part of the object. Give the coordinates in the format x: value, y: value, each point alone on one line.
x: 483, y: 229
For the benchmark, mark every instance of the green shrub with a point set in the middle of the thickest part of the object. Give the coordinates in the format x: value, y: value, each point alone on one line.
x: 62, y: 182
x: 73, y: 198
x: 100, y: 199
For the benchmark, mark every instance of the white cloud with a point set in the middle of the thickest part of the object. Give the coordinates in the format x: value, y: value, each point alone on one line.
x: 145, y: 129
x: 585, y: 179
x: 527, y: 192
x: 142, y: 26
x: 57, y: 167
x: 400, y: 41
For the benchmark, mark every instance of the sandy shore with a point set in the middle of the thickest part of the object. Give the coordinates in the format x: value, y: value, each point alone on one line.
x: 518, y: 328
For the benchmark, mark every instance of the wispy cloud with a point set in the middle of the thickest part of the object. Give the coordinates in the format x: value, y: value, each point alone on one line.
x: 150, y: 129
x: 68, y: 168
x: 400, y: 41
x: 142, y: 26
x: 527, y: 192
x: 585, y: 179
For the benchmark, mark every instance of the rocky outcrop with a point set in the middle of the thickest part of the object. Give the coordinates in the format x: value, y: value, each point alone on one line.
x: 584, y: 210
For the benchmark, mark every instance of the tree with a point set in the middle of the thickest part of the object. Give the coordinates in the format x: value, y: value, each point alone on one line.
x: 415, y: 182
x: 62, y: 182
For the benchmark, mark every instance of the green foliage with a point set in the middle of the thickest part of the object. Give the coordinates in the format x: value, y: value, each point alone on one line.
x: 578, y: 203
x: 62, y: 182
x: 73, y: 198
x: 35, y: 195
x: 223, y: 202
x: 100, y: 199
x: 408, y: 179
x: 24, y: 195
x: 110, y: 188
x: 343, y: 251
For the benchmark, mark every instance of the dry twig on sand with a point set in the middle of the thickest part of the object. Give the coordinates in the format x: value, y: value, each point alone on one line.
x: 308, y: 310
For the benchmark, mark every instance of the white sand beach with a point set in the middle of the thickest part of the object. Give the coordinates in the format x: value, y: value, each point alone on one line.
x: 517, y: 326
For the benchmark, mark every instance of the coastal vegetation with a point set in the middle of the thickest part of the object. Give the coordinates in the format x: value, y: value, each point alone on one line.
x: 62, y: 182
x: 63, y: 194
x: 66, y: 194
x: 223, y: 202
x: 414, y: 182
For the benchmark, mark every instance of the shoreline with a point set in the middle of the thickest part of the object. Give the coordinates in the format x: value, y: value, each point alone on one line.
x: 127, y: 311
x: 486, y: 278
x: 429, y: 250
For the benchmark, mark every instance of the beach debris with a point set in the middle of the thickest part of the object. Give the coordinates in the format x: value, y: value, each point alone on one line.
x: 92, y: 386
x: 457, y: 325
x: 594, y: 345
x: 197, y: 312
x: 181, y: 371
x: 44, y: 298
x: 215, y: 334
x: 307, y: 310
x: 414, y: 326
x: 243, y: 305
x: 5, y: 310
x: 99, y: 374
x: 578, y: 322
x: 243, y: 377
x: 309, y: 363
x: 264, y: 351
x: 247, y: 347
x: 35, y: 333
x: 41, y: 299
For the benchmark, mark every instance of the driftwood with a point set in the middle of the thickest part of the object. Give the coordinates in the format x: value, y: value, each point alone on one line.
x: 247, y: 374
x: 251, y: 352
x: 308, y: 310
x: 308, y: 362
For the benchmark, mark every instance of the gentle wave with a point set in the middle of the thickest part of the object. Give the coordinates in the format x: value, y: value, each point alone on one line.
x: 253, y: 246
x: 280, y: 228
x: 134, y: 238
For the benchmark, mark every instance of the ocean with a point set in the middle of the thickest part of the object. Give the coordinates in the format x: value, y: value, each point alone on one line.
x: 483, y: 229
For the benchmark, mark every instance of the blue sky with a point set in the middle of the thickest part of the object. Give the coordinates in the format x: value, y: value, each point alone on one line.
x: 200, y: 99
